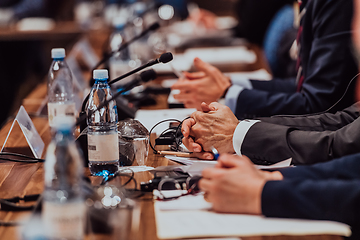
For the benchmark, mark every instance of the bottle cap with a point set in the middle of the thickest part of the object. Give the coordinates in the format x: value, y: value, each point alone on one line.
x: 58, y: 53
x: 100, y: 74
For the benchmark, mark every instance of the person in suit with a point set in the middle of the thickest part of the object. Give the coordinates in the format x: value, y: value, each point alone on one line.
x: 306, y: 139
x: 326, y: 68
x: 324, y: 191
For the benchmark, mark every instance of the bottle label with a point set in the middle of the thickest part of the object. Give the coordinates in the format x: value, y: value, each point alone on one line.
x: 103, y: 147
x: 61, y: 112
x: 64, y: 221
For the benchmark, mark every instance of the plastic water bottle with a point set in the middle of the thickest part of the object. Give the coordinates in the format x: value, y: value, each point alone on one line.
x: 63, y: 210
x: 61, y: 104
x: 103, y: 144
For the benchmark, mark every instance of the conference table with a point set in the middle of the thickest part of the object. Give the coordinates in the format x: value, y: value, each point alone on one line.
x: 20, y: 179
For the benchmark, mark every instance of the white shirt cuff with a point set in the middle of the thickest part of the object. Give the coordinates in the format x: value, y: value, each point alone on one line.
x: 232, y: 96
x: 240, y: 133
x: 243, y: 82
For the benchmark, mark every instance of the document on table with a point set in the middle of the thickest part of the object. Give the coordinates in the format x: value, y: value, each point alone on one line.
x: 151, y: 117
x: 260, y: 74
x: 175, y: 220
x: 213, y: 55
x: 196, y: 166
x: 222, y: 55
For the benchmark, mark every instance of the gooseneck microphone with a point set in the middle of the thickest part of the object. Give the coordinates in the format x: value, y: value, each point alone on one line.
x: 145, y: 76
x: 164, y: 58
x: 152, y: 27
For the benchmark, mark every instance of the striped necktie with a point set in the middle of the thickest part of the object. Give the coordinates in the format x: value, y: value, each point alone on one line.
x: 300, y: 73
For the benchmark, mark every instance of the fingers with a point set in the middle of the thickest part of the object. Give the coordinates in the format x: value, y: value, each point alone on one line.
x: 214, y: 106
x: 191, y: 145
x: 192, y: 104
x: 207, y: 68
x: 204, y: 184
x: 181, y: 85
x: 194, y: 75
x: 230, y: 161
x: 203, y: 155
x: 211, y: 173
x: 184, y: 96
x: 186, y: 126
x: 205, y: 107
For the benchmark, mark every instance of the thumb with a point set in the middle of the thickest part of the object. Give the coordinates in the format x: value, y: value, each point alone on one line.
x: 202, y: 66
x: 228, y: 161
x: 205, y: 107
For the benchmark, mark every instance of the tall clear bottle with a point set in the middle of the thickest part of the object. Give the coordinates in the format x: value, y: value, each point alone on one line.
x: 63, y: 211
x: 61, y: 104
x: 103, y: 144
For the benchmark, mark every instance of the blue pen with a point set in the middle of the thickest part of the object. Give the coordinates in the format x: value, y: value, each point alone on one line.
x: 215, y: 152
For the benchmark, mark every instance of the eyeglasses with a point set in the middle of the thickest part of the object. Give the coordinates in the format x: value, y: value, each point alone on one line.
x: 171, y: 188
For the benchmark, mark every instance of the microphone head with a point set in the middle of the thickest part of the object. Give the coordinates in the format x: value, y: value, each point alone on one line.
x: 148, y: 75
x: 154, y: 26
x: 166, y: 57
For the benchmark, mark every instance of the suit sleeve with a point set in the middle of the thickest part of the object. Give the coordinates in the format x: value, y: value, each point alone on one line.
x: 275, y: 85
x: 270, y: 143
x: 316, y: 194
x: 327, y: 62
x: 318, y: 122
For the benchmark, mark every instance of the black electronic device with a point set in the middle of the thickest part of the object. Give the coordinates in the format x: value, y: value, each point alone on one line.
x: 183, y: 179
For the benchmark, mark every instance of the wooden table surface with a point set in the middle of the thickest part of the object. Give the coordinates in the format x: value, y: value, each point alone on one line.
x: 62, y: 30
x: 20, y: 179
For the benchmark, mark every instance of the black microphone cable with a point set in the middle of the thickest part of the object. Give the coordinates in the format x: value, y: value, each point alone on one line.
x: 325, y: 111
x: 27, y: 159
x: 106, y: 57
x: 164, y: 58
x: 144, y: 77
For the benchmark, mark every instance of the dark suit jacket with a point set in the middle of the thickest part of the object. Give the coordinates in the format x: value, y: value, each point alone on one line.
x: 325, y: 191
x: 307, y: 139
x: 327, y: 63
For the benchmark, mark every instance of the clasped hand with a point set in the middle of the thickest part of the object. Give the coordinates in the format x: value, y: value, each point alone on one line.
x: 214, y: 126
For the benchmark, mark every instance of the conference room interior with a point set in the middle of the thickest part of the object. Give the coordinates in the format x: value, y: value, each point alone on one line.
x: 224, y: 44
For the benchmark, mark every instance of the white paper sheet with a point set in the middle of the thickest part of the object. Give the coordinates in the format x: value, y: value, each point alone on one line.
x: 174, y: 224
x: 214, y: 55
x: 260, y: 74
x: 196, y: 166
x: 222, y: 55
x: 136, y: 168
x: 151, y: 117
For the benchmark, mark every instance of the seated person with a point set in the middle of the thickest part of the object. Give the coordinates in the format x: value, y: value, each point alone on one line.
x: 325, y: 191
x: 326, y: 67
x: 306, y: 139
